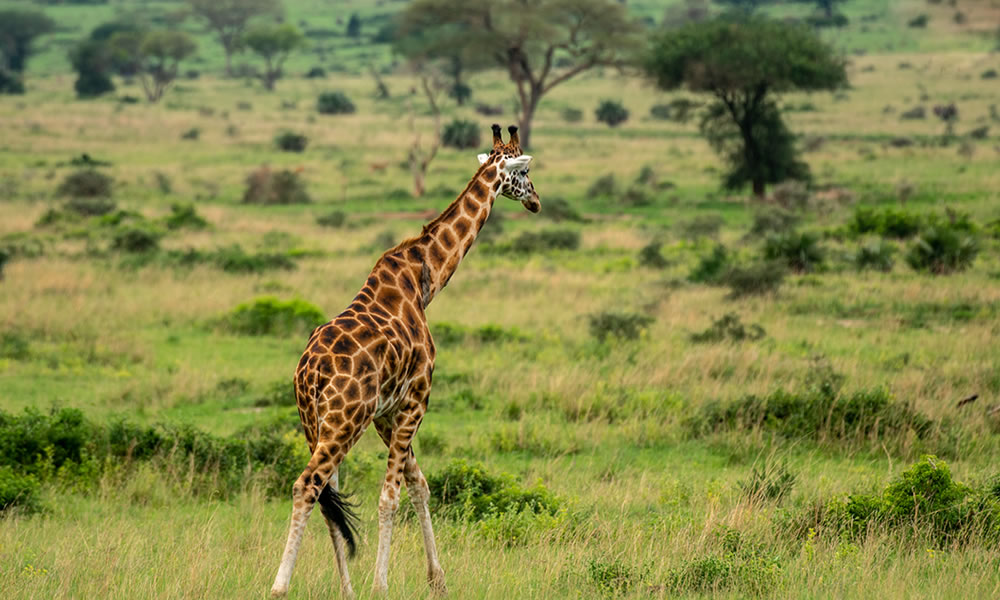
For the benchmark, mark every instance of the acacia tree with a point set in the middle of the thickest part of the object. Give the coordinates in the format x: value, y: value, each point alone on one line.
x: 273, y: 43
x: 744, y: 64
x: 18, y: 29
x: 540, y: 44
x: 229, y: 19
x: 158, y: 55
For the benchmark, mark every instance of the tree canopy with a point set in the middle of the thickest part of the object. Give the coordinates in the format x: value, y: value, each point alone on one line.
x: 229, y: 19
x: 540, y: 44
x: 273, y: 43
x: 18, y: 29
x: 743, y: 63
x: 158, y: 55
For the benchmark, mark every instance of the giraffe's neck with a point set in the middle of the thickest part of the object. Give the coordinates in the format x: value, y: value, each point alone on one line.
x: 446, y: 240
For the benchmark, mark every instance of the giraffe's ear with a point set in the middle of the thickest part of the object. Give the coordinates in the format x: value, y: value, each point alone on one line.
x: 483, y: 158
x: 516, y: 165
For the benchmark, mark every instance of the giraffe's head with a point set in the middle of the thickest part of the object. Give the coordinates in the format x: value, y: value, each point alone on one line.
x: 512, y: 169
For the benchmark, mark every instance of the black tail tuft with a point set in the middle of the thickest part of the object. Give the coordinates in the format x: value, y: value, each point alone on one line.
x: 338, y: 509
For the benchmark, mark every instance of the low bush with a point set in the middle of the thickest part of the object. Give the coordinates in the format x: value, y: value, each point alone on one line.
x: 136, y: 239
x: 660, y: 112
x: 467, y: 491
x: 336, y: 218
x: 623, y: 326
x: 729, y: 327
x: 64, y: 447
x: 875, y: 254
x: 615, y: 577
x: 289, y: 141
x: 820, y: 413
x: 559, y: 209
x: 637, y: 195
x: 269, y: 316
x: 712, y: 267
x: 923, y: 498
x: 18, y: 491
x: 701, y: 226
x: 611, y: 113
x: 800, y: 252
x: 460, y: 134
x: 770, y: 483
x: 541, y: 241
x: 184, y: 216
x: 942, y: 250
x: 315, y: 73
x: 86, y: 183
x: 571, y: 115
x: 773, y: 220
x: 265, y: 186
x: 651, y: 257
x: 748, y: 569
x: 756, y: 279
x: 603, y: 187
x: 191, y: 134
x: 334, y: 103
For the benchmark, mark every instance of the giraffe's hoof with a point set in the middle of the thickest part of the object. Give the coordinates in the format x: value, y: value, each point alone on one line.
x: 279, y: 592
x: 436, y: 581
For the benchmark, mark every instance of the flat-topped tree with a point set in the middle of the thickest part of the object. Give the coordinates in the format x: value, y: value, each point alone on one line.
x: 18, y: 29
x: 745, y: 63
x: 273, y: 43
x: 228, y: 19
x: 540, y: 44
x: 158, y: 55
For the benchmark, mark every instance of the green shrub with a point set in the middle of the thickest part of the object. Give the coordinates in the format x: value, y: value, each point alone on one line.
x: 615, y: 577
x: 460, y: 134
x: 889, y: 222
x: 550, y: 239
x: 289, y: 141
x: 136, y: 239
x: 610, y: 112
x: 919, y: 21
x: 334, y: 103
x: 278, y: 393
x: 571, y: 115
x: 768, y: 483
x: 773, y: 220
x: 5, y: 255
x: 942, y: 250
x: 701, y: 226
x: 447, y: 334
x: 38, y: 444
x: 10, y: 82
x: 191, y: 134
x: 637, y: 195
x: 265, y: 186
x: 184, y: 216
x: 875, y: 254
x: 801, y: 252
x: 756, y: 279
x: 923, y: 498
x: 269, y: 316
x: 624, y: 326
x: 819, y: 413
x: 559, y: 209
x: 336, y: 218
x: 751, y: 571
x: 729, y: 327
x: 650, y: 256
x: 18, y: 491
x: 603, y: 187
x: 660, y: 112
x: 86, y: 183
x: 467, y: 491
x: 712, y: 267
x: 315, y: 73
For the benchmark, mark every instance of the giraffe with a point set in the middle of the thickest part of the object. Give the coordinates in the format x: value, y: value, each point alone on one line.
x: 373, y: 364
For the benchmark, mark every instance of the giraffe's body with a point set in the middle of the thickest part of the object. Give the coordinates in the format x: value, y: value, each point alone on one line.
x: 373, y: 363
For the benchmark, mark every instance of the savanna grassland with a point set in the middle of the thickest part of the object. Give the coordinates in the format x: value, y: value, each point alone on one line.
x: 621, y: 415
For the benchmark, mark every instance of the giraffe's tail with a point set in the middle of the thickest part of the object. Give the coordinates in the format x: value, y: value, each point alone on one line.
x: 340, y: 510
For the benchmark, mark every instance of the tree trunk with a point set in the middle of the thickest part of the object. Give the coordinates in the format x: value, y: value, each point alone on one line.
x: 759, y: 188
x: 527, y: 116
x: 229, y: 61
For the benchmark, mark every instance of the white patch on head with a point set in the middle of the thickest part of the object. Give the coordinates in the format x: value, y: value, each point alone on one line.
x: 483, y: 158
x: 516, y: 165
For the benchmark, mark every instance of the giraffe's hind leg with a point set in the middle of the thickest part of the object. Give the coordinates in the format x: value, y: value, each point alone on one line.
x: 420, y: 495
x: 338, y: 512
x: 313, y: 482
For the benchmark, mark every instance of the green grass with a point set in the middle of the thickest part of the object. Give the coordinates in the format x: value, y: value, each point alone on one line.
x: 521, y: 385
